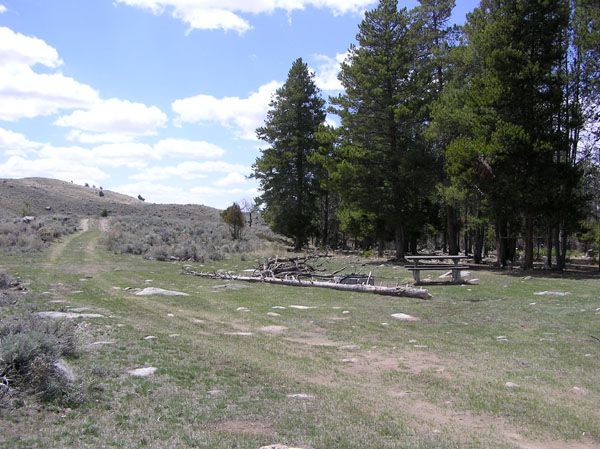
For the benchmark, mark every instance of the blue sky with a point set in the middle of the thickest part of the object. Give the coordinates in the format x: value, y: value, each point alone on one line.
x: 158, y: 97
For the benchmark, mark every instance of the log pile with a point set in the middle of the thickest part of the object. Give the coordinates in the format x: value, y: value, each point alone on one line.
x: 298, y: 272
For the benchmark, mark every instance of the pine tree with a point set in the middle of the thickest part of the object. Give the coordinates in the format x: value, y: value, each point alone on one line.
x: 284, y: 170
x: 386, y: 166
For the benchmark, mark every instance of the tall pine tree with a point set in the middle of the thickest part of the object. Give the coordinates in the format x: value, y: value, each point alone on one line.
x: 285, y: 170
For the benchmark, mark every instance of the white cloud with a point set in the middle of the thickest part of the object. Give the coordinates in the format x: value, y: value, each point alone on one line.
x: 25, y: 93
x: 188, y: 148
x: 113, y: 120
x: 225, y: 14
x: 326, y: 74
x: 245, y: 114
x: 232, y: 179
x: 189, y: 170
x: 16, y: 144
x: 2, y: 9
x: 18, y: 167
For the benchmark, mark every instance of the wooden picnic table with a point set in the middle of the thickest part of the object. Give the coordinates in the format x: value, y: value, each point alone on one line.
x: 455, y: 267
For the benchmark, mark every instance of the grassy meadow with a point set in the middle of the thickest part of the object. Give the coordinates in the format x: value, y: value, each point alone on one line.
x: 485, y: 366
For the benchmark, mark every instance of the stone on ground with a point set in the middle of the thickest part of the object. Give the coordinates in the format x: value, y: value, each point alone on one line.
x: 67, y: 315
x: 142, y: 372
x: 302, y: 396
x: 279, y: 446
x: 404, y: 317
x: 552, y: 293
x: 275, y: 330
x: 293, y: 306
x: 153, y: 291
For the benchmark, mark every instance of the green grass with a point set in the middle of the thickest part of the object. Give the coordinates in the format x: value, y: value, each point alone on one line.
x: 435, y: 383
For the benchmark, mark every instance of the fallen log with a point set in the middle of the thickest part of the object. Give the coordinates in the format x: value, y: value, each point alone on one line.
x: 405, y: 291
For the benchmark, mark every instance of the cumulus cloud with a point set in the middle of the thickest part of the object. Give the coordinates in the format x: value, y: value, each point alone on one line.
x: 232, y: 179
x: 2, y: 8
x: 188, y: 148
x: 113, y: 120
x: 16, y: 144
x: 225, y: 15
x: 244, y: 114
x: 189, y: 170
x: 25, y: 93
x: 326, y: 73
x: 18, y: 167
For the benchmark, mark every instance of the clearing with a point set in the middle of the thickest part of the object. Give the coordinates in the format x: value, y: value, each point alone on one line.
x: 485, y: 366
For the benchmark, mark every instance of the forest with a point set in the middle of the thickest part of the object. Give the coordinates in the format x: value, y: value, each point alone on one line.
x: 480, y: 138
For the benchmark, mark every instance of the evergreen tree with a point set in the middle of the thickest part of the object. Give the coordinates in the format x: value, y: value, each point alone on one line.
x: 385, y: 166
x: 284, y: 170
x: 234, y: 218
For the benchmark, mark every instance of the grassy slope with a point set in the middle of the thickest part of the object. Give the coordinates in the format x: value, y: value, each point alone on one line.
x: 435, y: 383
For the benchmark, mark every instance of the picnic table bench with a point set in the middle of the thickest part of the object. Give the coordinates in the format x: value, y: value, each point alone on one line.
x: 455, y: 267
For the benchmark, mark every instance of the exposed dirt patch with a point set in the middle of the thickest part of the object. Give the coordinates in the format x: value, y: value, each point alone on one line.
x: 273, y: 330
x: 313, y: 339
x: 417, y: 362
x: 243, y: 426
x: 371, y: 363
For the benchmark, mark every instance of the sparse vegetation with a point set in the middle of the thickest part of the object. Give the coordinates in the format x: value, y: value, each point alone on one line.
x: 234, y: 218
x: 17, y: 237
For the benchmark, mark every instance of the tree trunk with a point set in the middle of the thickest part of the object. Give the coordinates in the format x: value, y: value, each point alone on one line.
x: 564, y: 244
x: 413, y: 244
x: 548, y: 264
x: 410, y: 292
x: 452, y: 227
x: 557, y: 247
x: 399, y: 241
x: 528, y: 262
x: 478, y: 248
x: 380, y: 246
x: 325, y: 227
x: 500, y: 245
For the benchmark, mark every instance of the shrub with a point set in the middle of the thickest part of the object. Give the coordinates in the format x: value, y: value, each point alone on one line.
x: 29, y: 358
x: 6, y: 280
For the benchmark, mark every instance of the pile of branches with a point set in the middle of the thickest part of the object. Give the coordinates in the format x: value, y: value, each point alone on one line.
x: 291, y: 267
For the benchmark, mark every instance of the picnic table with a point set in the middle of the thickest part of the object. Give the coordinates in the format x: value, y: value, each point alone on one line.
x: 426, y: 263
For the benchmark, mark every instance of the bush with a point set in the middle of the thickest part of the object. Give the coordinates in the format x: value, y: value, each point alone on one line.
x: 30, y: 349
x: 6, y: 280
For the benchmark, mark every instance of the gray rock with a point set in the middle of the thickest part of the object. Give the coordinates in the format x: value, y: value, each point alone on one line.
x: 404, y: 317
x: 153, y: 291
x: 67, y: 315
x: 65, y: 370
x: 142, y: 372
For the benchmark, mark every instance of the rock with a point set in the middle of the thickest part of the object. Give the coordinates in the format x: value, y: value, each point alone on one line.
x: 293, y: 306
x: 243, y: 309
x: 153, y: 291
x: 345, y: 312
x: 301, y: 396
x: 67, y: 315
x: 350, y: 360
x: 511, y: 385
x: 273, y: 314
x: 404, y: 317
x: 579, y: 391
x: 527, y: 278
x: 215, y: 392
x: 275, y: 330
x: 170, y: 315
x: 552, y: 293
x: 239, y: 334
x: 65, y: 370
x: 174, y: 335
x: 27, y: 219
x: 142, y: 372
x: 150, y: 337
x: 102, y: 343
x: 278, y: 308
x: 279, y: 446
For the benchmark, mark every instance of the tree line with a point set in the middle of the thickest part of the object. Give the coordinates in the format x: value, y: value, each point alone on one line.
x: 471, y: 136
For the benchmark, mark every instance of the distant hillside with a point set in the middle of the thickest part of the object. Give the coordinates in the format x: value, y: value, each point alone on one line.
x: 158, y: 231
x: 34, y: 195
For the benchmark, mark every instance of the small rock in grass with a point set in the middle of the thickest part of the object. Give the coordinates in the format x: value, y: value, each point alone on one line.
x: 412, y: 341
x: 278, y: 308
x: 404, y: 317
x: 153, y: 291
x: 279, y: 446
x: 545, y: 293
x: 350, y: 360
x: 579, y: 391
x: 275, y: 330
x: 65, y: 370
x: 239, y: 334
x: 293, y: 306
x: 148, y: 281
x: 174, y: 335
x: 511, y: 385
x: 215, y: 392
x: 150, y: 337
x: 102, y: 343
x: 197, y: 321
x: 385, y: 324
x: 243, y: 309
x: 420, y: 346
x: 302, y: 396
x: 345, y: 312
x: 273, y: 314
x: 67, y: 315
x: 170, y: 315
x: 527, y: 278
x: 142, y: 372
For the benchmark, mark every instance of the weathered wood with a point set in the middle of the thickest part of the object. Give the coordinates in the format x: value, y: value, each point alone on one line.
x: 406, y: 291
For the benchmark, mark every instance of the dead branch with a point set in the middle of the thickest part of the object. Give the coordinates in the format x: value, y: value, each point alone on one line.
x: 386, y: 291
